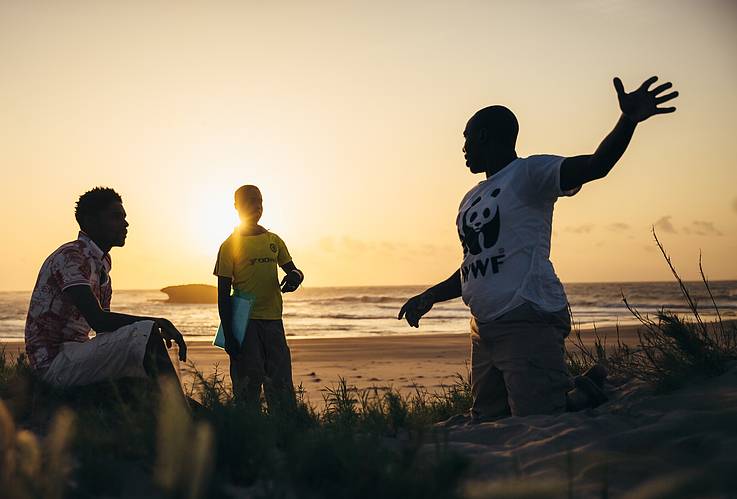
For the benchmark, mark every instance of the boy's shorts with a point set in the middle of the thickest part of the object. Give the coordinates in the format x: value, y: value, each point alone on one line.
x: 111, y: 355
x: 518, y: 364
x: 264, y: 359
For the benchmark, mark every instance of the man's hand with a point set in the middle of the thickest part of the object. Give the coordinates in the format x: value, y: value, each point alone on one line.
x: 291, y: 281
x: 643, y: 103
x: 231, y: 345
x: 169, y: 333
x: 415, y: 308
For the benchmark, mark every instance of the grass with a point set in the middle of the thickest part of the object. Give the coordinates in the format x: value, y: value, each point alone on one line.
x: 135, y: 439
x: 673, y: 350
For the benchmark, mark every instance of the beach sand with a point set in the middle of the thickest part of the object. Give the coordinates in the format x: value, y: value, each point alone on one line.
x: 401, y: 362
x: 640, y: 442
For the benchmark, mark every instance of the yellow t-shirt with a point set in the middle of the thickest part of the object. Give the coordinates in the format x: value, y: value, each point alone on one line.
x: 251, y: 262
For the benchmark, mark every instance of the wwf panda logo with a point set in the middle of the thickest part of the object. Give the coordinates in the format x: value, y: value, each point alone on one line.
x: 272, y: 246
x: 480, y: 224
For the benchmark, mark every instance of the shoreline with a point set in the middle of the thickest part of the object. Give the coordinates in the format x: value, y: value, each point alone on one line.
x: 404, y: 362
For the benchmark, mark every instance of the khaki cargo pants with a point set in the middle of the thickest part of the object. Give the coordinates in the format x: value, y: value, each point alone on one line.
x: 518, y: 364
x: 264, y: 360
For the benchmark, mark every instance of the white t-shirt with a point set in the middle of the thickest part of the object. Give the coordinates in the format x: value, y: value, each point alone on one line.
x: 505, y: 224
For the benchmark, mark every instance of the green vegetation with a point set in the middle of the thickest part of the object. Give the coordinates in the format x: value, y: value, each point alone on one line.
x: 672, y: 351
x: 133, y: 439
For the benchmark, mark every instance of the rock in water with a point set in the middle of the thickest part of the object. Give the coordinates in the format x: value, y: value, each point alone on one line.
x: 192, y: 293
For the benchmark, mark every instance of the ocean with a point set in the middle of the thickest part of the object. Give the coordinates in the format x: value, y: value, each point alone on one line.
x: 372, y: 311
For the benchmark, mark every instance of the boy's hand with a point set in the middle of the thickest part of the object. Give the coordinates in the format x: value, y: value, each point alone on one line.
x: 291, y: 281
x: 415, y: 308
x: 231, y: 345
x: 642, y: 103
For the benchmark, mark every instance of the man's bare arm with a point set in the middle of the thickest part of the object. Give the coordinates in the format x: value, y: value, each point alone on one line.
x: 103, y: 321
x: 419, y: 305
x: 636, y: 107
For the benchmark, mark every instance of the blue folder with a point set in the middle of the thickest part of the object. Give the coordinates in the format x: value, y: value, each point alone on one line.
x: 241, y: 307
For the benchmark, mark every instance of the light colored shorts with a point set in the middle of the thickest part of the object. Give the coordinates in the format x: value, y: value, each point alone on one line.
x: 112, y: 355
x: 518, y: 364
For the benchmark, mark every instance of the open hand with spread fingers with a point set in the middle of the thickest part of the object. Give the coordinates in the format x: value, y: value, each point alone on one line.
x: 643, y: 103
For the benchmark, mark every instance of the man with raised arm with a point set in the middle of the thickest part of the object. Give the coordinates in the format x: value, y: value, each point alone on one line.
x: 519, y: 309
x: 72, y: 297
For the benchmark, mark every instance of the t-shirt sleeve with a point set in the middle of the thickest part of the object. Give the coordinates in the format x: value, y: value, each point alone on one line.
x: 224, y: 263
x: 282, y: 257
x: 543, y: 177
x: 70, y: 268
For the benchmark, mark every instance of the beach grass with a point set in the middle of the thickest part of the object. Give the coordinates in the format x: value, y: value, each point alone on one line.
x: 134, y: 438
x: 143, y: 441
x: 673, y: 349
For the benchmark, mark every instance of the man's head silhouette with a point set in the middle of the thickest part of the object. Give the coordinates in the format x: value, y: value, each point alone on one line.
x: 100, y: 215
x: 491, y: 135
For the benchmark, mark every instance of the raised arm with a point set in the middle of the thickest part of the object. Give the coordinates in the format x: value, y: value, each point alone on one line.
x: 419, y: 305
x: 103, y: 321
x: 636, y: 107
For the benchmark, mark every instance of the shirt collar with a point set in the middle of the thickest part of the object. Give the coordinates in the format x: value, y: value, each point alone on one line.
x: 94, y: 248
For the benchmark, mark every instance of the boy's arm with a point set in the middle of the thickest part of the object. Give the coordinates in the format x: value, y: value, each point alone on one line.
x: 225, y: 310
x: 636, y: 106
x: 293, y: 277
x: 103, y: 321
x: 419, y: 305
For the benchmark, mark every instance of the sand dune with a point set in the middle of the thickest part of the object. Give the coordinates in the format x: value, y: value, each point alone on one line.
x: 639, y: 442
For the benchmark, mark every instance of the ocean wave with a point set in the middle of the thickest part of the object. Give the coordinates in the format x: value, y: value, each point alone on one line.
x: 353, y: 299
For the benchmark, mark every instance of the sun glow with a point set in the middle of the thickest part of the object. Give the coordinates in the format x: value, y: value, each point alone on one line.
x: 211, y: 220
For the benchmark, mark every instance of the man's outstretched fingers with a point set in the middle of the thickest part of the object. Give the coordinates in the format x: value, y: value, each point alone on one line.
x: 666, y: 98
x: 661, y: 88
x: 646, y: 84
x: 618, y: 86
x: 664, y: 110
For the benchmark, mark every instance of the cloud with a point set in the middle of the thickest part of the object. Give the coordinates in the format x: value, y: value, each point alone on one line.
x: 702, y: 228
x: 618, y: 226
x: 664, y: 225
x: 356, y: 245
x: 580, y: 229
x: 327, y: 244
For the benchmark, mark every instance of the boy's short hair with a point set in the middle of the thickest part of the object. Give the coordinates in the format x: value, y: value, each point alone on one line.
x: 94, y: 201
x: 246, y: 193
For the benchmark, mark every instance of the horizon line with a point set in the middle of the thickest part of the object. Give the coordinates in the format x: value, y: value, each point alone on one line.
x: 404, y: 285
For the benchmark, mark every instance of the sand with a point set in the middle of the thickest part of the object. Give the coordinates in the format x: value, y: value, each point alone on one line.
x: 639, y: 444
x: 400, y: 362
x: 644, y: 444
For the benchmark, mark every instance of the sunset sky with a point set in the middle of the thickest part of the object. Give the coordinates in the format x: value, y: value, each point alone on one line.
x: 349, y: 116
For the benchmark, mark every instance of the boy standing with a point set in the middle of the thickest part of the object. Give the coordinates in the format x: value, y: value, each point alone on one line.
x: 247, y: 262
x: 519, y: 308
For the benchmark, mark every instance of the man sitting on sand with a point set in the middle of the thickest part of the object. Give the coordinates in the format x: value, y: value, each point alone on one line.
x: 519, y: 309
x: 72, y: 296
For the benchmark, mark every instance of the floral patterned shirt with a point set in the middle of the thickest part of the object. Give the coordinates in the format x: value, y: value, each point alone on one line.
x: 52, y: 318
